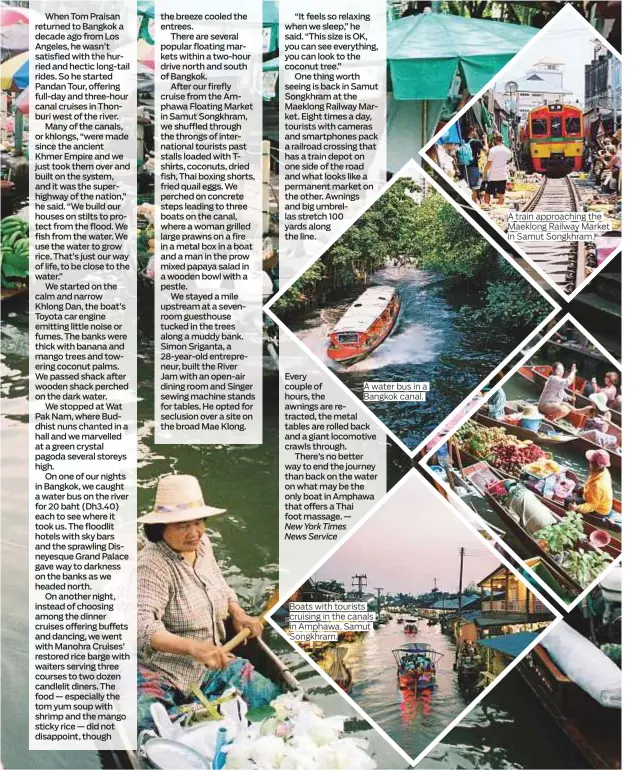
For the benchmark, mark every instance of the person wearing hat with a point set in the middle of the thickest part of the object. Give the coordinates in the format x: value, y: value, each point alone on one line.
x: 182, y: 603
x: 596, y: 426
x: 596, y: 496
x: 553, y: 400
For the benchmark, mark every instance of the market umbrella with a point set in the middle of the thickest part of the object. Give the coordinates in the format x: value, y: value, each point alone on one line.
x: 270, y: 22
x: 425, y: 52
x: 146, y: 54
x: 10, y: 16
x: 14, y: 39
x: 146, y: 12
x: 14, y: 73
x: 22, y: 102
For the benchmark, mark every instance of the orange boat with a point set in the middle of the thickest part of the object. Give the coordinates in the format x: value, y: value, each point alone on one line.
x: 365, y: 325
x: 540, y: 374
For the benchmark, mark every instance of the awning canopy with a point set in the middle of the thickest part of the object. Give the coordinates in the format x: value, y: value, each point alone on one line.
x: 509, y: 644
x: 425, y: 52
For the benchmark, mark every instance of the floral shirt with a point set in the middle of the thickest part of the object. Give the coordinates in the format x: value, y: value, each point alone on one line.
x: 554, y: 390
x: 187, y: 600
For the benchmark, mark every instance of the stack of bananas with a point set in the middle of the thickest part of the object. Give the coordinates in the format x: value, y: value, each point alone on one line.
x: 15, y: 250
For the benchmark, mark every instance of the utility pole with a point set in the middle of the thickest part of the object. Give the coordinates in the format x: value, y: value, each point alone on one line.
x: 378, y: 590
x: 460, y: 600
x: 359, y: 582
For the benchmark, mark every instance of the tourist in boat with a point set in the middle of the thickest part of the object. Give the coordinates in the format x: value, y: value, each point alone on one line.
x: 595, y: 428
x: 497, y: 402
x: 182, y: 603
x: 609, y: 388
x: 553, y: 401
x: 596, y: 496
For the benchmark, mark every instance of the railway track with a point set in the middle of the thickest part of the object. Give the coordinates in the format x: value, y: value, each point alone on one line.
x: 565, y: 261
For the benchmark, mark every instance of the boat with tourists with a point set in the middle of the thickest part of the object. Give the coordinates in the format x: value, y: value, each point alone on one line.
x: 410, y: 626
x: 538, y: 376
x: 416, y: 666
x: 365, y: 325
x: 573, y: 426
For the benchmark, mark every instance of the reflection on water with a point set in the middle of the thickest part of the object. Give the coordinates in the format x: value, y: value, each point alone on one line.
x: 431, y: 342
x: 411, y: 719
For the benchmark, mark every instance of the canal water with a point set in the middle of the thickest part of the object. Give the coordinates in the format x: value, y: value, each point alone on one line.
x: 431, y: 342
x: 244, y: 480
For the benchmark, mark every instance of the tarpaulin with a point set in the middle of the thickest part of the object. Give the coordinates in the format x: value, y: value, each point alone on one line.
x: 424, y: 53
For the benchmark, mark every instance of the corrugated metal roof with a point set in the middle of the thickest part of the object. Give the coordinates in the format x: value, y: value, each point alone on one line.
x: 452, y: 604
x: 510, y: 644
x: 367, y: 308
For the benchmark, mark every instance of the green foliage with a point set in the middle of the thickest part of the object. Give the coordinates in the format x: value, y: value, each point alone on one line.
x: 446, y: 242
x: 403, y: 227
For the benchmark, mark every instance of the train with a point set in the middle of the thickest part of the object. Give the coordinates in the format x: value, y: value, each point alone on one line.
x: 552, y: 140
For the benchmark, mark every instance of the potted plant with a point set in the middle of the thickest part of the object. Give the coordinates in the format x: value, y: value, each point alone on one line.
x: 585, y: 566
x: 562, y: 534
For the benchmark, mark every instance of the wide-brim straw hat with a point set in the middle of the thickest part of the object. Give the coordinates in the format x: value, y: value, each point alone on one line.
x: 600, y: 400
x: 531, y: 412
x: 179, y: 498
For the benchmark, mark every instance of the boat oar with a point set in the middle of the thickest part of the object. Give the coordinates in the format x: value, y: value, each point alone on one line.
x: 245, y: 632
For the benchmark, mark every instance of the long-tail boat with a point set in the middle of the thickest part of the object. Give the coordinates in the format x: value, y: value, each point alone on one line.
x: 538, y: 375
x: 416, y: 666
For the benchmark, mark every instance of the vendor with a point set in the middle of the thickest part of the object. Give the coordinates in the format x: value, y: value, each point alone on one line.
x: 552, y: 403
x: 182, y: 603
x: 609, y: 388
x: 598, y: 422
x: 596, y: 496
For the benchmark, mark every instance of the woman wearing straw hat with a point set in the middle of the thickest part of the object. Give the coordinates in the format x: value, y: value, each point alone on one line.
x: 596, y: 426
x: 182, y: 603
x: 596, y: 496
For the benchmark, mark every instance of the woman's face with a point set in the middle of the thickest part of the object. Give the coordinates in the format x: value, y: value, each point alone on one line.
x: 184, y: 535
x: 559, y: 370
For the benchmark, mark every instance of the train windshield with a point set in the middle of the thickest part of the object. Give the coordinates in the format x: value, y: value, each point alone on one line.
x: 556, y: 126
x: 538, y: 126
x: 573, y: 125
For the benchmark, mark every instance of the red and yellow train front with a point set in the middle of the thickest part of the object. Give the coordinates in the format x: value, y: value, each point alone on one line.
x: 556, y: 139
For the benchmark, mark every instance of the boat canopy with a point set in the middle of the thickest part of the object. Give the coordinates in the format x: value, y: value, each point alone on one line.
x: 410, y: 620
x: 367, y: 308
x: 417, y: 648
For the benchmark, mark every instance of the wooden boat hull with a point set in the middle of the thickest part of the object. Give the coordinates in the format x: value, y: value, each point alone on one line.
x: 524, y: 433
x: 347, y: 355
x: 538, y: 375
x: 596, y: 522
x: 415, y: 682
x: 579, y: 442
x: 594, y: 730
x: 613, y: 549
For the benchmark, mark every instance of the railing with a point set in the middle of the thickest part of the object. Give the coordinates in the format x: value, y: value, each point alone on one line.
x: 515, y: 607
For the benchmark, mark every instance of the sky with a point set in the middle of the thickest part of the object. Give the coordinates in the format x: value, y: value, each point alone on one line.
x: 412, y: 539
x: 569, y: 39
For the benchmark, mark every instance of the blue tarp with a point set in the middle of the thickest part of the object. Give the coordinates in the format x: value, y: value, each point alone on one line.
x: 452, y: 136
x: 510, y: 644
